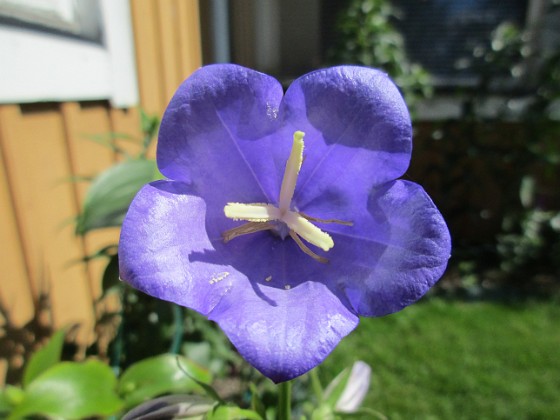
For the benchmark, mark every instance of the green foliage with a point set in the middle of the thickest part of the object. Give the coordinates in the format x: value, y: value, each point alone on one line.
x: 160, y: 375
x: 447, y: 360
x: 494, y: 171
x: 336, y: 388
x: 530, y: 245
x: 62, y: 389
x: 44, y: 359
x: 83, y: 389
x: 71, y: 390
x: 112, y: 191
x: 366, y: 36
x: 227, y: 412
x: 142, y: 318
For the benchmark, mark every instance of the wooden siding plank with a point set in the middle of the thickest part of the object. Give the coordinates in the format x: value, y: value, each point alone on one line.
x: 170, y: 41
x: 126, y: 122
x: 148, y: 54
x: 88, y: 158
x: 16, y: 295
x: 41, y: 147
x: 190, y: 46
x: 38, y: 168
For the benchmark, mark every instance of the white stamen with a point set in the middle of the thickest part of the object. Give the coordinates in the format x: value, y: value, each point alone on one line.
x: 291, y: 172
x: 308, y: 231
x: 255, y: 212
x: 262, y: 216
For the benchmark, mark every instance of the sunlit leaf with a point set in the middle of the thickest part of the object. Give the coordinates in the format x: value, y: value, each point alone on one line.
x: 160, y: 375
x: 111, y: 192
x: 10, y: 396
x: 44, y: 358
x: 71, y: 390
x: 228, y: 412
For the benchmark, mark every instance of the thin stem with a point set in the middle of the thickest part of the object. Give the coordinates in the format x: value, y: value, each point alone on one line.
x: 284, y: 401
x: 118, y: 341
x: 175, y: 347
x: 316, y: 384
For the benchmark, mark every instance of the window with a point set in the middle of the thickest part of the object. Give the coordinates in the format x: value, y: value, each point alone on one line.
x: 442, y: 34
x: 60, y: 50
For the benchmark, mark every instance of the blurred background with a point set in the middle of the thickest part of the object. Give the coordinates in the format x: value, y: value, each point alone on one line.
x: 83, y: 84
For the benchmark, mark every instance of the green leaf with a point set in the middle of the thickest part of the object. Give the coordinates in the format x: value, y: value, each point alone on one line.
x: 164, y: 374
x: 71, y: 390
x: 44, y: 358
x: 149, y: 123
x: 230, y: 412
x: 256, y: 403
x: 110, y: 281
x: 111, y: 192
x: 10, y: 396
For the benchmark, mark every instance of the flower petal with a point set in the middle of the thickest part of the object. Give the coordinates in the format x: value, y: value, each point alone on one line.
x: 161, y: 235
x: 357, y: 130
x: 165, y: 252
x: 394, y: 253
x: 209, y: 132
x: 286, y: 333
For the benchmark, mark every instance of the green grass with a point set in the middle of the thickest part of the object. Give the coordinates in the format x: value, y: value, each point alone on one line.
x: 456, y: 360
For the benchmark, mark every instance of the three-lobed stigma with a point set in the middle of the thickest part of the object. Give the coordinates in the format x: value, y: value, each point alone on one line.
x: 263, y: 216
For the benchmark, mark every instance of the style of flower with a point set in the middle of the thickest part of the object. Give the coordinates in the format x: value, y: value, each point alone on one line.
x: 282, y: 217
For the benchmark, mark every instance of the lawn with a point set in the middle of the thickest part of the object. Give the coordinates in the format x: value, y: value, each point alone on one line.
x: 458, y: 360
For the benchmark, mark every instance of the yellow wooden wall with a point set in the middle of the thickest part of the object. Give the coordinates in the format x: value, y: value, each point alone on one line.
x: 43, y: 145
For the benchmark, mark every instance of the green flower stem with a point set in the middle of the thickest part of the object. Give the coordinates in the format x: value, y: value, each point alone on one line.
x: 118, y: 341
x: 175, y: 347
x: 285, y: 401
x: 316, y: 384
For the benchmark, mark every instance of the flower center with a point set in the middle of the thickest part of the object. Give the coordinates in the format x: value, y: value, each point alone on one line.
x: 282, y: 220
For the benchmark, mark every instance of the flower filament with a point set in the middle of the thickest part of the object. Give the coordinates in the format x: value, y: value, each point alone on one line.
x: 262, y: 216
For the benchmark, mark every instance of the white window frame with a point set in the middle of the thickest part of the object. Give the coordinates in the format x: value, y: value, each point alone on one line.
x: 39, y: 66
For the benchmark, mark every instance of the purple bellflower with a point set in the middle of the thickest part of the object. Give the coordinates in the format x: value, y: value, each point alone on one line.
x: 282, y: 218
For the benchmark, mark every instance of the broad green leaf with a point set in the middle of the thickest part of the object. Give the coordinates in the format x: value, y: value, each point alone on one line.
x: 230, y: 412
x: 10, y: 396
x: 71, y: 390
x: 111, y: 192
x: 164, y: 374
x: 44, y: 358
